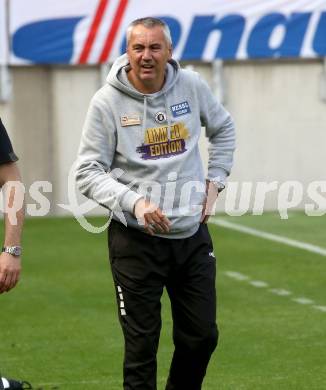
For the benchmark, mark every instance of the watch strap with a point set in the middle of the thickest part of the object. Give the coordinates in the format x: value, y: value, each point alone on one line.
x: 14, y: 250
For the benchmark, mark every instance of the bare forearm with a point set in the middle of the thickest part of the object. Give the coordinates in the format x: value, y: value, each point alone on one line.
x: 13, y: 203
x: 13, y: 231
x: 13, y: 191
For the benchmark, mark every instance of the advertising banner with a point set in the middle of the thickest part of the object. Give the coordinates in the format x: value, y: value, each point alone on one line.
x: 3, y: 34
x: 93, y: 31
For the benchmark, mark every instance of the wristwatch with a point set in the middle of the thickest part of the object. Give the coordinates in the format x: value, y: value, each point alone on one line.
x: 13, y: 250
x: 218, y: 185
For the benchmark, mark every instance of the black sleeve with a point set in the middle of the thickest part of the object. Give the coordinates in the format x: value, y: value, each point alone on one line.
x: 6, y: 152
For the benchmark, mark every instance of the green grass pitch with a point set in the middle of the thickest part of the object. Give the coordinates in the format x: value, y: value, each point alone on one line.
x: 59, y: 327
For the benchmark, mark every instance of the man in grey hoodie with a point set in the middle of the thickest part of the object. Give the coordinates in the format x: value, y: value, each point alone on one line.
x: 139, y: 157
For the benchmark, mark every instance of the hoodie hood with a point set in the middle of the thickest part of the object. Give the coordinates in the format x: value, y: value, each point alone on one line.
x: 115, y: 78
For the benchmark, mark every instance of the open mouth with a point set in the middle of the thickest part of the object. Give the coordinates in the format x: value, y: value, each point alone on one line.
x: 146, y: 66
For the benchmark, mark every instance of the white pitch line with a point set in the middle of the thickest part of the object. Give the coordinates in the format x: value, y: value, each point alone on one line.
x: 236, y: 275
x: 258, y: 283
x: 280, y: 291
x: 269, y: 236
x: 303, y: 301
x: 321, y: 308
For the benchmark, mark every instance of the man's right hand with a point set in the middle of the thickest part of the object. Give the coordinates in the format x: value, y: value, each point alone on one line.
x: 10, y: 267
x: 151, y: 217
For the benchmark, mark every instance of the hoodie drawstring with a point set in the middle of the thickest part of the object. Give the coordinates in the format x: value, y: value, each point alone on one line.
x: 167, y: 112
x: 168, y: 117
x: 144, y: 115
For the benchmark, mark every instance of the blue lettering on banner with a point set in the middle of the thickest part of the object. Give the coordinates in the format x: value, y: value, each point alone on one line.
x: 295, y: 28
x: 52, y: 41
x: 46, y: 41
x: 231, y: 28
x: 180, y: 109
x: 319, y: 43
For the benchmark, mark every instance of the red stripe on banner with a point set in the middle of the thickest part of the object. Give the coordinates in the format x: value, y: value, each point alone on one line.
x: 113, y: 31
x: 93, y: 31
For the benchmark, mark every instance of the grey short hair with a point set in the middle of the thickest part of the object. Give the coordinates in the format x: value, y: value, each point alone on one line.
x: 150, y: 22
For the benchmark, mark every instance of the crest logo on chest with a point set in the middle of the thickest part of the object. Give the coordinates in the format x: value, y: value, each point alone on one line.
x: 160, y: 117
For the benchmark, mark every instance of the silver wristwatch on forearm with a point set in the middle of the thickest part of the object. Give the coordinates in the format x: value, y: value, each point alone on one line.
x: 13, y: 250
x: 218, y: 185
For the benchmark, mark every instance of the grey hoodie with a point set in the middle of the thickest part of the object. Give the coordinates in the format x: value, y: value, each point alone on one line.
x: 135, y: 145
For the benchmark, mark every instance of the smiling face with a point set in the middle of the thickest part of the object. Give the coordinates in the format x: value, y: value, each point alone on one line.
x: 148, y: 52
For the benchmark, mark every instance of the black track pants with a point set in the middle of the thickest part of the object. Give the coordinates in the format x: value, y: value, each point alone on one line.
x: 142, y: 266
